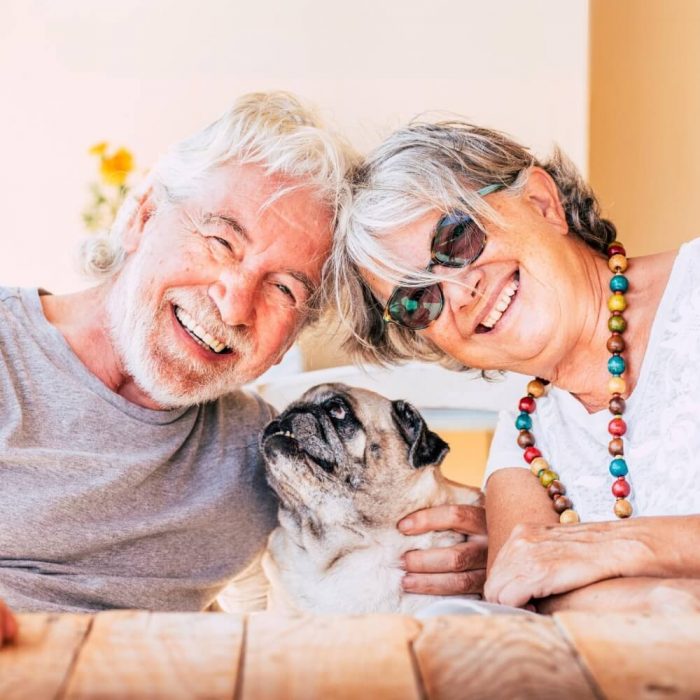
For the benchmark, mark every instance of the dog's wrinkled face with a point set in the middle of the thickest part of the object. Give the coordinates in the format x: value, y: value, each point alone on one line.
x: 341, y: 451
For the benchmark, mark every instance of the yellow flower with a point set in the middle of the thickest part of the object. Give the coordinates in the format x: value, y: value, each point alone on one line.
x: 98, y: 149
x: 116, y: 168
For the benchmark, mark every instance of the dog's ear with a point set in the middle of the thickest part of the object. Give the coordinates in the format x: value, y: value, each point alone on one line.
x: 424, y: 446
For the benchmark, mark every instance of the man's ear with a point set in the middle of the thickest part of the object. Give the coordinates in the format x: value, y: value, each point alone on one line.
x: 543, y: 194
x: 133, y: 231
x: 424, y: 446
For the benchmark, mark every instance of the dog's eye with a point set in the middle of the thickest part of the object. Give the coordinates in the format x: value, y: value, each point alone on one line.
x: 336, y: 409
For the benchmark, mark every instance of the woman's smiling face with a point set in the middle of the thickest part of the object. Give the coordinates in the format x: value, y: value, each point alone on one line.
x: 509, y: 309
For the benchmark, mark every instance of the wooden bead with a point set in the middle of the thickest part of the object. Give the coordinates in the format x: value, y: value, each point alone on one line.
x: 569, y: 516
x: 616, y: 365
x: 547, y: 477
x: 616, y: 343
x: 538, y: 464
x: 623, y: 508
x: 562, y: 503
x: 617, y: 302
x: 617, y: 263
x: 616, y: 447
x: 617, y: 405
x: 616, y: 323
x: 536, y: 388
x: 530, y: 454
x: 556, y: 488
x: 617, y: 427
x: 525, y: 439
x: 618, y: 467
x: 523, y: 421
x: 527, y: 404
x: 617, y: 385
x: 620, y: 488
x: 616, y: 248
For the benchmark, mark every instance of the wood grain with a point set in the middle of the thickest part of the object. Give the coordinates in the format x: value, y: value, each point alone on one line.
x: 503, y: 656
x: 39, y: 662
x: 329, y: 657
x: 158, y: 655
x: 638, y: 656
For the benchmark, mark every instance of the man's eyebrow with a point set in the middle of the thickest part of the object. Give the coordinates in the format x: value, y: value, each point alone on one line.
x: 234, y: 223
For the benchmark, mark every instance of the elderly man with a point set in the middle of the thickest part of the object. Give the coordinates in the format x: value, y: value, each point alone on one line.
x: 129, y: 456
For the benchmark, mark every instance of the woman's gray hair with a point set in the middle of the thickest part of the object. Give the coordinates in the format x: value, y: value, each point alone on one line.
x: 425, y: 168
x: 273, y: 130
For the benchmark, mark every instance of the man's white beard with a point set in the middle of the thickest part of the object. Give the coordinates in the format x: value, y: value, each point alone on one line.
x: 140, y: 325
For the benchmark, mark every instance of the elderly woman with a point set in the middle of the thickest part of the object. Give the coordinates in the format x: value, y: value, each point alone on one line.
x: 460, y: 247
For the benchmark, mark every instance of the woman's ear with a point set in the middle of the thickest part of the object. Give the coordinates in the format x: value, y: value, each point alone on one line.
x: 542, y: 193
x: 137, y: 221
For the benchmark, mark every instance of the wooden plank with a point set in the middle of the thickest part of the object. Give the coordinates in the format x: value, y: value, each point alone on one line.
x: 38, y: 663
x: 635, y: 656
x: 329, y: 657
x: 500, y: 656
x: 158, y: 655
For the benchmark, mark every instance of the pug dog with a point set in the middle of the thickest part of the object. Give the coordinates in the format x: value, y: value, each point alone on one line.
x: 347, y: 464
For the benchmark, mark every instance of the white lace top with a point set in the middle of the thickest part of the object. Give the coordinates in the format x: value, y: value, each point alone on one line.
x: 662, y: 444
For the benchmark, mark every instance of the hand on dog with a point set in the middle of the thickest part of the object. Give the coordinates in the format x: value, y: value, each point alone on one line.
x: 455, y: 570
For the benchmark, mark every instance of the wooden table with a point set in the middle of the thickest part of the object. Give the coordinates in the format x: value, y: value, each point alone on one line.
x: 216, y: 655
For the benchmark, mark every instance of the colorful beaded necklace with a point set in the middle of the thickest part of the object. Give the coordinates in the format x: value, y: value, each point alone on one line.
x: 617, y: 262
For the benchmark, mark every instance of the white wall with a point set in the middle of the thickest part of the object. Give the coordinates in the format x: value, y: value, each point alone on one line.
x: 143, y: 73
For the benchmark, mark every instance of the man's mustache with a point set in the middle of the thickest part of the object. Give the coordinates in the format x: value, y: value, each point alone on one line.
x: 206, y: 314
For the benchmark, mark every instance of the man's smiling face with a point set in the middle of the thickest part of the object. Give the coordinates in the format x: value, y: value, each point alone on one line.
x: 216, y: 288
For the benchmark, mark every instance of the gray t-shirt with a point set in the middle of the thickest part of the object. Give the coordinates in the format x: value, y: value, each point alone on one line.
x: 106, y: 504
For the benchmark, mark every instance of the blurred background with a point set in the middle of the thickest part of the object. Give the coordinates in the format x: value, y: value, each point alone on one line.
x: 613, y: 82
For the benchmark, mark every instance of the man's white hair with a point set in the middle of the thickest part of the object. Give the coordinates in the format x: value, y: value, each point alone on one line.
x: 273, y: 130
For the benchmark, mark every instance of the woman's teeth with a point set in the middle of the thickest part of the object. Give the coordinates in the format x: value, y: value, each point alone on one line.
x: 502, y: 304
x: 198, y: 333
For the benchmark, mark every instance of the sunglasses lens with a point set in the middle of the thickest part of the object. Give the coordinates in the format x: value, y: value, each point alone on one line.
x: 415, y: 307
x: 458, y: 241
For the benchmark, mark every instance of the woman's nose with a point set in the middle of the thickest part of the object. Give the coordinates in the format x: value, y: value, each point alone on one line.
x: 463, y: 292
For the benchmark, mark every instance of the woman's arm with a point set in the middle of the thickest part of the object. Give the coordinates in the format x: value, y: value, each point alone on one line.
x: 622, y: 595
x: 532, y: 557
x: 514, y: 496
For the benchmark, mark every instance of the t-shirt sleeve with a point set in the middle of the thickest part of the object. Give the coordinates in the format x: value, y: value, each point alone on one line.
x: 504, y: 452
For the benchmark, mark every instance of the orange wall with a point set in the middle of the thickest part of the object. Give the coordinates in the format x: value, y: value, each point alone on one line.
x: 466, y: 459
x: 644, y: 118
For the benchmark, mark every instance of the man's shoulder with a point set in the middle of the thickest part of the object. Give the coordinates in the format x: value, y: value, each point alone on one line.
x: 246, y: 408
x: 15, y: 317
x: 9, y: 298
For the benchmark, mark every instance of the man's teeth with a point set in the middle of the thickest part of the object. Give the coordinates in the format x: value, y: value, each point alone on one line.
x: 286, y: 433
x: 502, y: 303
x: 198, y: 333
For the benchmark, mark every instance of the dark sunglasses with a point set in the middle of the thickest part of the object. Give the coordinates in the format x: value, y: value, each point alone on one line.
x: 457, y: 242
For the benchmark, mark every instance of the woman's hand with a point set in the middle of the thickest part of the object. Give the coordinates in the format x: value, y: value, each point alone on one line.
x: 452, y: 570
x: 8, y: 625
x: 538, y: 561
